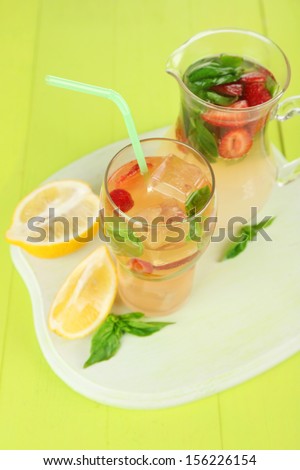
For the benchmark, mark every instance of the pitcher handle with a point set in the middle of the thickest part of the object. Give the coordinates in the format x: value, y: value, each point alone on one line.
x: 287, y: 171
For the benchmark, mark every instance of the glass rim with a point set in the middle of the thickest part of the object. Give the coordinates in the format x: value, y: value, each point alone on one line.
x: 176, y: 142
x: 246, y: 32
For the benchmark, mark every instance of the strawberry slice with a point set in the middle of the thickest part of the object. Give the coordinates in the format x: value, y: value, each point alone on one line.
x: 241, y: 104
x: 227, y: 119
x: 235, y: 144
x: 144, y: 267
x: 122, y: 199
x: 176, y: 264
x: 140, y: 266
x: 135, y: 169
x: 253, y: 77
x: 256, y: 93
x: 230, y: 89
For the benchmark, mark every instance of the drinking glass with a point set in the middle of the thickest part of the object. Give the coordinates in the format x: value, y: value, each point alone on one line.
x: 156, y: 259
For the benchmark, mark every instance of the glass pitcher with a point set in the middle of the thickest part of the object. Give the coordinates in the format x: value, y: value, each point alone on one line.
x: 245, y: 182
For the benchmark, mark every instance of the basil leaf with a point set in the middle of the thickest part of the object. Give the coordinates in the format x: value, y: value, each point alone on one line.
x: 123, y: 241
x: 263, y: 224
x: 237, y: 248
x: 197, y: 200
x: 253, y: 230
x: 204, y: 74
x: 219, y: 80
x: 127, y: 248
x: 139, y: 328
x: 194, y: 142
x: 106, y: 341
x: 198, y: 91
x: 195, y: 231
x: 248, y: 233
x: 186, y: 119
x: 221, y: 100
x: 121, y: 231
x: 210, y: 69
x: 131, y: 316
x: 205, y: 141
x: 271, y: 85
x: 230, y: 60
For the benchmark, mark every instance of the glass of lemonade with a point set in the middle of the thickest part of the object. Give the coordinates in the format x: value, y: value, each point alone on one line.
x: 158, y: 224
x: 230, y: 84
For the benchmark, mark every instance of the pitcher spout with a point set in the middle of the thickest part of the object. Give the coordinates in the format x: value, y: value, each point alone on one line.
x: 173, y: 66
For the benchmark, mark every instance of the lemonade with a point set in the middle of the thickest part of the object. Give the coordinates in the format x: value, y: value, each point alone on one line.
x: 151, y: 233
x: 230, y: 83
x: 228, y: 128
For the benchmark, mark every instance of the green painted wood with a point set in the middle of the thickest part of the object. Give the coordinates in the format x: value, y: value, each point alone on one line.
x: 282, y: 24
x: 264, y: 413
x: 18, y: 26
x: 123, y: 45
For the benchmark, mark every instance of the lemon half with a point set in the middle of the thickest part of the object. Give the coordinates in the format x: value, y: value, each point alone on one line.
x: 55, y: 219
x: 86, y: 297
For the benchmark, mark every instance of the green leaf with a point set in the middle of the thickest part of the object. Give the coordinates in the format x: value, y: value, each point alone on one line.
x: 107, y: 339
x: 121, y: 231
x: 198, y: 91
x: 220, y: 99
x: 204, y: 74
x: 237, y: 248
x: 186, y: 119
x: 206, y: 83
x: 195, y: 231
x: 139, y: 328
x: 247, y: 233
x: 231, y: 60
x: 205, y: 140
x: 123, y: 241
x: 105, y: 342
x: 210, y: 69
x: 263, y: 224
x: 252, y: 230
x: 131, y: 316
x: 271, y: 85
x: 197, y: 200
x: 207, y: 70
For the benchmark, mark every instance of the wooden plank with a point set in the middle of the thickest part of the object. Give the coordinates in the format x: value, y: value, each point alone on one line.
x: 38, y: 411
x: 17, y: 38
x: 76, y: 41
x: 282, y: 24
x: 192, y: 426
x: 264, y: 413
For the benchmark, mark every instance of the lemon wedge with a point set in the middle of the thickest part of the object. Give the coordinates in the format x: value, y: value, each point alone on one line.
x: 86, y: 297
x: 55, y: 219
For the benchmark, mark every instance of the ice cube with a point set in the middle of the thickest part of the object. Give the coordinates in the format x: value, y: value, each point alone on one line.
x: 157, y: 230
x: 175, y: 178
x: 165, y: 211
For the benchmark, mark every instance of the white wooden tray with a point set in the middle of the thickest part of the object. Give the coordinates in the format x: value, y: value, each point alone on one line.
x: 242, y: 318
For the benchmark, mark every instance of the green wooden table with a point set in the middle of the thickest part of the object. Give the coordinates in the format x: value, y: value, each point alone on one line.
x: 124, y: 45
